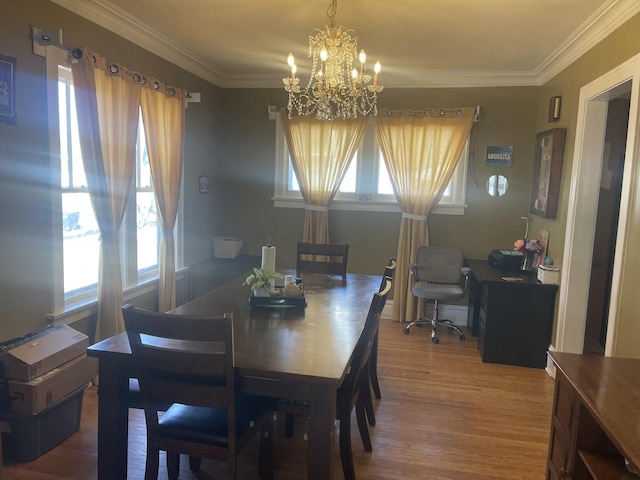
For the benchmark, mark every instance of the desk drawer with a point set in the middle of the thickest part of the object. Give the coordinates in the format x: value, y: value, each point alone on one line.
x: 484, y: 295
x: 565, y: 404
x: 474, y: 305
x: 565, y: 411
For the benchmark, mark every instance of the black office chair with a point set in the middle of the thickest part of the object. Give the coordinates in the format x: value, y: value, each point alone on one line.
x: 438, y: 274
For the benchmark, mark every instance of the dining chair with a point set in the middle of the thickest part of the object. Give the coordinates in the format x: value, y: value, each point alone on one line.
x: 389, y: 271
x: 187, y: 362
x: 355, y: 390
x: 328, y: 258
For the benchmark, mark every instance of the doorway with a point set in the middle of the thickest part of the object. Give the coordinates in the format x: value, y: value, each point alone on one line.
x: 607, y: 216
x: 586, y: 178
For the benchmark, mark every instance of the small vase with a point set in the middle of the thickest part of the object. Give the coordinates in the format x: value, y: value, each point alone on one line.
x: 261, y: 292
x: 527, y: 262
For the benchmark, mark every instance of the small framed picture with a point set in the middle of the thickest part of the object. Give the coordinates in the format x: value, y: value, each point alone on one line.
x: 8, y: 89
x: 203, y: 185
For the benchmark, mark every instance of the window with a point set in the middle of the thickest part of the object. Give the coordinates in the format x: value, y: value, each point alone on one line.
x: 366, y: 185
x: 76, y: 234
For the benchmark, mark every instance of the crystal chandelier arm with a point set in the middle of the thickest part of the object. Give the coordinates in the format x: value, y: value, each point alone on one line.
x: 336, y: 88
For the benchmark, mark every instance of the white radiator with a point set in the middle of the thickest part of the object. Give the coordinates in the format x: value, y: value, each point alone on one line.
x: 182, y: 286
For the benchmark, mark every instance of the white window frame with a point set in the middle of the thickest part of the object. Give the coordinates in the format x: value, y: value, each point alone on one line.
x: 365, y: 198
x: 79, y: 307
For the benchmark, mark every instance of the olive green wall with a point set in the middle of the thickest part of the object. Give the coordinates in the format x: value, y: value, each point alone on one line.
x: 25, y: 237
x: 230, y: 139
x: 508, y: 117
x: 611, y: 52
x: 614, y: 50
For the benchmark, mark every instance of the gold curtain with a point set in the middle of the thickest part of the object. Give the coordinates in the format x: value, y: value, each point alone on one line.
x: 320, y: 152
x: 107, y: 101
x: 421, y: 153
x: 163, y: 114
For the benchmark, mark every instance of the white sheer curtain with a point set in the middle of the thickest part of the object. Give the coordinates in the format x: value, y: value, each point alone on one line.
x: 421, y: 153
x: 163, y: 113
x: 107, y: 101
x: 320, y: 152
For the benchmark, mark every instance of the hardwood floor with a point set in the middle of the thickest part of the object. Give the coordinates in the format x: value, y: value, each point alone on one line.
x: 443, y: 415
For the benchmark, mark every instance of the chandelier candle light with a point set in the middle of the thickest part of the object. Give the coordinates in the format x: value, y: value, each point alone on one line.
x: 336, y: 88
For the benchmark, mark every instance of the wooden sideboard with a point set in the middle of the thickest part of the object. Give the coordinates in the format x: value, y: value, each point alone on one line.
x: 596, y: 418
x: 512, y: 320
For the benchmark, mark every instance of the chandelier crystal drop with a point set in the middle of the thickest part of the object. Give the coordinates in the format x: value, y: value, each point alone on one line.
x: 336, y: 88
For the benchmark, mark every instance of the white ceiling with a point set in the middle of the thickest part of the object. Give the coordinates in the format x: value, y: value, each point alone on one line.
x: 420, y: 43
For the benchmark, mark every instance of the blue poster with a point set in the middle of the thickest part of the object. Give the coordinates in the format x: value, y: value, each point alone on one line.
x: 499, y: 156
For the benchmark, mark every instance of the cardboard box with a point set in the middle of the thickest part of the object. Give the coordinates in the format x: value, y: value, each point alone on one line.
x: 43, y: 352
x: 549, y: 274
x: 31, y: 398
x: 26, y: 437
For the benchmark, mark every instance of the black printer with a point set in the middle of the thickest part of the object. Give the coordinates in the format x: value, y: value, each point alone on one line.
x: 507, y: 259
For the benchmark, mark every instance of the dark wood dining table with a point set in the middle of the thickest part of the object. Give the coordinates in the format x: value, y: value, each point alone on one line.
x: 295, y: 354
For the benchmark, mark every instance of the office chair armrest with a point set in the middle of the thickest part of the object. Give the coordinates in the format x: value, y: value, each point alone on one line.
x: 466, y: 271
x: 412, y: 268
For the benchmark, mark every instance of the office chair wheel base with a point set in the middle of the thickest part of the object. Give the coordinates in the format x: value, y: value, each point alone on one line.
x: 435, y: 339
x: 406, y: 330
x: 462, y: 337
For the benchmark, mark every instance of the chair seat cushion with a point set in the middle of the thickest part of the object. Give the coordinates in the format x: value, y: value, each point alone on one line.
x: 209, y: 425
x: 436, y: 291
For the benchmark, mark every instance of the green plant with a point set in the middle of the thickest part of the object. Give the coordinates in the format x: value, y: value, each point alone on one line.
x: 261, y: 278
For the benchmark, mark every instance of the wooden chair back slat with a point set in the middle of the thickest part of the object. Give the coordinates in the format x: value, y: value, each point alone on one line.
x: 330, y: 259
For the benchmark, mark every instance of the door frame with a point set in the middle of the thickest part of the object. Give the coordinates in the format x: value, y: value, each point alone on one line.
x: 583, y: 202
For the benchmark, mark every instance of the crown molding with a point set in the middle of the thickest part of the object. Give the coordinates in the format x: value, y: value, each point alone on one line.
x: 121, y: 23
x: 605, y: 20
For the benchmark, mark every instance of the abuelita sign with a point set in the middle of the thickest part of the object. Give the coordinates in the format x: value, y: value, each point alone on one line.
x: 499, y: 156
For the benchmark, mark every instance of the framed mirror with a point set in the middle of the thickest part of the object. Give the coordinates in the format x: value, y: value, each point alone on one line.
x: 497, y: 185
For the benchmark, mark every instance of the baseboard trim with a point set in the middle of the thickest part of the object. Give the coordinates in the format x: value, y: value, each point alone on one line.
x: 551, y: 368
x: 456, y: 313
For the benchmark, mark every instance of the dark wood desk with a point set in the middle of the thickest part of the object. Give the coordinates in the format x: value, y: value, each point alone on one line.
x: 596, y: 417
x: 293, y: 354
x: 512, y: 320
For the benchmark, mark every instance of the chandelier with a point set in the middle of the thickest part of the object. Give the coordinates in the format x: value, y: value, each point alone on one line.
x: 336, y: 88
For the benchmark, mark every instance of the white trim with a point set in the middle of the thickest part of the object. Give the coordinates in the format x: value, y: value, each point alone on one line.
x: 580, y: 227
x: 82, y: 311
x: 368, y: 206
x: 551, y: 367
x: 604, y: 21
x: 458, y: 314
x: 360, y: 201
x: 54, y: 57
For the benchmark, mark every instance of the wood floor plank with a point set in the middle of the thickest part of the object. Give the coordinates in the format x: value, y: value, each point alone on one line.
x: 443, y: 415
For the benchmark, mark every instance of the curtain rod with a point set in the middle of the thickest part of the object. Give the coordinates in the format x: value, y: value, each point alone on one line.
x: 427, y: 112
x: 53, y: 38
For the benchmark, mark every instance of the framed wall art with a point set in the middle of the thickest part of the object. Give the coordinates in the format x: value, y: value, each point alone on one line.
x: 546, y: 172
x: 8, y: 89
